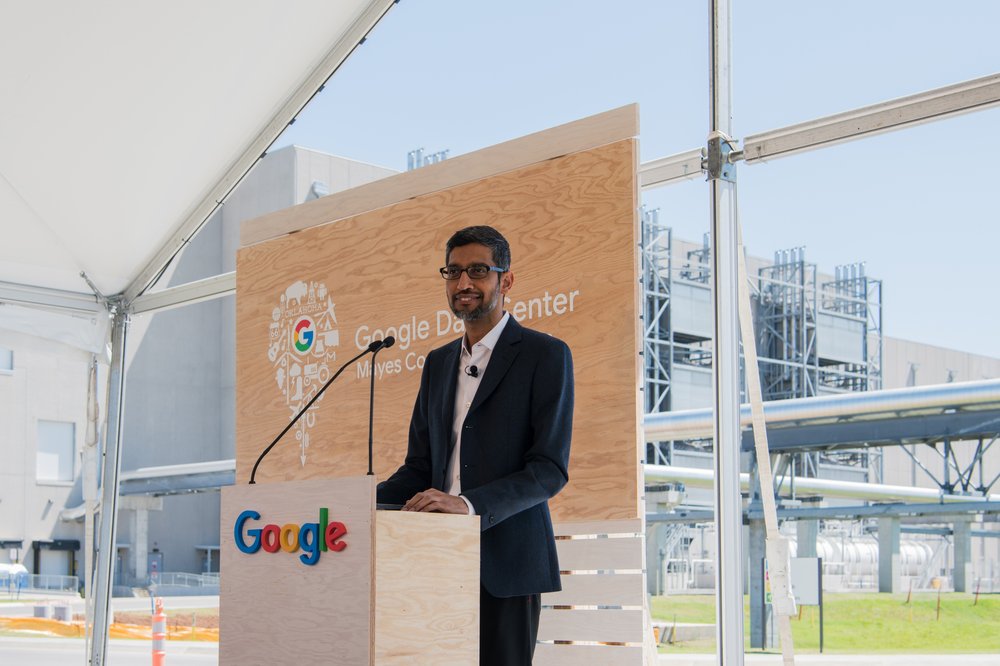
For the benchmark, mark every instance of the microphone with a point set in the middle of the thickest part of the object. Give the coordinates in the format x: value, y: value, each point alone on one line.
x: 387, y: 342
x: 472, y: 371
x: 372, y: 348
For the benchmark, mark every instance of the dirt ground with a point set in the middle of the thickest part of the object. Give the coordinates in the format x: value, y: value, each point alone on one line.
x: 202, y: 619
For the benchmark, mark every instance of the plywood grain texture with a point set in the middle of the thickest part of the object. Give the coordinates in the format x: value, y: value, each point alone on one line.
x: 591, y: 625
x: 549, y: 654
x: 598, y: 527
x: 571, y: 221
x: 590, y: 554
x: 271, y: 603
x: 426, y: 589
x: 598, y: 130
x: 598, y: 590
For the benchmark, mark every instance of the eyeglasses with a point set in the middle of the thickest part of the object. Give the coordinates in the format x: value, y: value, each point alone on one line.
x: 475, y: 271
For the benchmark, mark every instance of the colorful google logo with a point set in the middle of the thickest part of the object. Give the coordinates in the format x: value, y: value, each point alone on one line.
x: 305, y: 333
x: 311, y: 538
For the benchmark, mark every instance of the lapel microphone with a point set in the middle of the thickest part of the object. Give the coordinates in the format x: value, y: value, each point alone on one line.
x: 472, y: 371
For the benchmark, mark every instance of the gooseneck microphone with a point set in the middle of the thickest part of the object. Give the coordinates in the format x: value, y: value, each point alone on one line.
x: 370, y: 349
x: 387, y: 342
x: 472, y: 371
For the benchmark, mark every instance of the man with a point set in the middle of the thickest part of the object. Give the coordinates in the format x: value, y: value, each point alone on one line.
x: 490, y: 436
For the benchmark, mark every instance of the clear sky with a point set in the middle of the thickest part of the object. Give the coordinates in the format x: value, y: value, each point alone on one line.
x: 914, y: 204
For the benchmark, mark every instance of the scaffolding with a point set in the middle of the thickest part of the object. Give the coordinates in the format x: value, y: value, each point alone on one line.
x: 786, y: 327
x: 657, y: 336
x: 676, y: 339
x: 816, y: 335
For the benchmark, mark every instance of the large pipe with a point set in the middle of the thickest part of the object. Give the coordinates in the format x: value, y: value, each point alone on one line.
x: 697, y: 423
x: 830, y: 488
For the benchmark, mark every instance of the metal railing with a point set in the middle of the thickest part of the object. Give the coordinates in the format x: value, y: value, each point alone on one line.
x: 183, y: 579
x: 20, y: 582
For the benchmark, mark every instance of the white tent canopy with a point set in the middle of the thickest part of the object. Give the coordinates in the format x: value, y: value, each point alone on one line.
x: 124, y: 123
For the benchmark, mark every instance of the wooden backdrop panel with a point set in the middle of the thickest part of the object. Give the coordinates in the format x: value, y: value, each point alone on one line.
x: 571, y: 222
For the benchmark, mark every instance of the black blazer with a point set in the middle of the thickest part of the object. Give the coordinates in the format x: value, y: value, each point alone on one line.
x: 514, y: 455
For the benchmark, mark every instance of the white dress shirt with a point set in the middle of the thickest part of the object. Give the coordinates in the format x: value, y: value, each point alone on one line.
x: 465, y: 392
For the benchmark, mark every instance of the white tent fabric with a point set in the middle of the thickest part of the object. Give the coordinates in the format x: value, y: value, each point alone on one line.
x: 122, y: 123
x: 88, y: 332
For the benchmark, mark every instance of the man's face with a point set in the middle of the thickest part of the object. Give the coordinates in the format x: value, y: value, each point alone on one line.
x: 472, y: 300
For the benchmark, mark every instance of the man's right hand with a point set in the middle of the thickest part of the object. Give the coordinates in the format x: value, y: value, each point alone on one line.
x: 433, y: 500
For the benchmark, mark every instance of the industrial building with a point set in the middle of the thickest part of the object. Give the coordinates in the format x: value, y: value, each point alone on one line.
x: 819, y: 333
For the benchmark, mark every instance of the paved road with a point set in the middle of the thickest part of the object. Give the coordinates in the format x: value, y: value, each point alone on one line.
x: 19, y: 651
x: 26, y: 607
x: 842, y: 660
x: 68, y: 651
x: 71, y: 651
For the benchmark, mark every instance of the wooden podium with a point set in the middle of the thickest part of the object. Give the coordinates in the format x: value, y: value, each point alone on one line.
x: 390, y: 587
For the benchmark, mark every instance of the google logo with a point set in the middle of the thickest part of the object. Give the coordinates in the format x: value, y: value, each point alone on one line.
x: 311, y: 538
x: 305, y: 333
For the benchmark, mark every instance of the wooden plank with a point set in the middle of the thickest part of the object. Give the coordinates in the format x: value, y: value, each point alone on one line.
x: 590, y: 554
x: 270, y: 602
x: 603, y: 626
x: 377, y: 272
x: 598, y: 590
x: 597, y: 527
x: 591, y: 132
x: 552, y: 654
x: 426, y: 588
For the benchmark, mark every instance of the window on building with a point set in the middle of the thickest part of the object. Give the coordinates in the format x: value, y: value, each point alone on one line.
x: 6, y: 360
x: 56, y: 448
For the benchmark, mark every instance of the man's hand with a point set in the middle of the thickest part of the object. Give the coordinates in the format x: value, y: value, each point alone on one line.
x: 438, y: 502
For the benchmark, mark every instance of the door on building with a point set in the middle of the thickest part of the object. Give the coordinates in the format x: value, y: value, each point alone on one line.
x: 155, y: 565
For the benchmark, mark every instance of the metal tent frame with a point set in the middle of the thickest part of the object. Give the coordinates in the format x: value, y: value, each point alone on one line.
x: 717, y: 160
x: 136, y: 296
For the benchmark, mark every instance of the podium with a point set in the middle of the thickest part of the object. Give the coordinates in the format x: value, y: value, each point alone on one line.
x: 312, y: 572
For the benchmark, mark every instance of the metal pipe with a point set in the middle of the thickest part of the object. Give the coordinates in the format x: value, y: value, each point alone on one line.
x: 726, y: 340
x: 209, y: 288
x: 894, y: 114
x: 109, y: 491
x: 671, y: 169
x: 808, y: 486
x: 697, y: 423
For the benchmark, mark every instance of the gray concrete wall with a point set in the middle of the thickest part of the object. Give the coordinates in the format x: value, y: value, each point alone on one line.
x: 49, y: 382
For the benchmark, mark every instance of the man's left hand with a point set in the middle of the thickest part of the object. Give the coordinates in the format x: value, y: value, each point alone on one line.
x: 436, y: 501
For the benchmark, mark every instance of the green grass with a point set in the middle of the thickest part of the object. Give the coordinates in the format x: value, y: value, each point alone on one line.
x: 865, y: 623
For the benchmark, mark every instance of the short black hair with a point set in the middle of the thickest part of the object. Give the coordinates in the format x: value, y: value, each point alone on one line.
x: 483, y: 235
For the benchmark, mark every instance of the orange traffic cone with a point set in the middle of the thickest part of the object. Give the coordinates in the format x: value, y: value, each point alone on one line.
x: 159, y: 634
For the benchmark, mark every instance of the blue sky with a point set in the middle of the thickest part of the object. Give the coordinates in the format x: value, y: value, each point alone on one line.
x: 914, y: 205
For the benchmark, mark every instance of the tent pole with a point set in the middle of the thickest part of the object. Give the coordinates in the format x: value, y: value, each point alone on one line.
x: 726, y: 358
x: 104, y: 578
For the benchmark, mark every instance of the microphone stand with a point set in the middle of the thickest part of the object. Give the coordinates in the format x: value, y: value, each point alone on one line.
x: 387, y: 342
x: 373, y: 347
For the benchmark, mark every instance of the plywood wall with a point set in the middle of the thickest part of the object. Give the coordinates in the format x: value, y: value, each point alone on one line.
x: 572, y: 224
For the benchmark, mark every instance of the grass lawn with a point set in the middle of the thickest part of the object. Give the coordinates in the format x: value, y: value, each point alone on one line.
x: 865, y: 623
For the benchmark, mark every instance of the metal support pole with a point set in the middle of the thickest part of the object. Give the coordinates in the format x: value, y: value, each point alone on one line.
x: 726, y: 359
x: 962, y: 576
x: 109, y: 490
x: 888, y: 555
x: 758, y: 612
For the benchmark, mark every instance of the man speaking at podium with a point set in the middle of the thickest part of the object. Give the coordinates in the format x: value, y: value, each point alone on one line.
x: 490, y: 436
